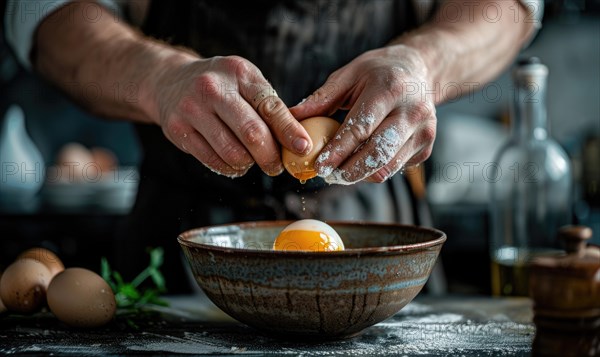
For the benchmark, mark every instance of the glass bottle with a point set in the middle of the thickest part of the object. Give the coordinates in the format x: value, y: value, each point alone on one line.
x: 22, y: 167
x: 530, y: 193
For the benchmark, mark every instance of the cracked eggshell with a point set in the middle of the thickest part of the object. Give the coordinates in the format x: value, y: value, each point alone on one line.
x: 81, y: 298
x: 23, y: 285
x: 320, y: 130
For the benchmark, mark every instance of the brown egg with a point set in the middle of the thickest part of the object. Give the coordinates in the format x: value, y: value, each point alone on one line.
x: 105, y: 159
x: 23, y: 285
x: 46, y: 257
x: 81, y: 298
x: 320, y: 130
x: 73, y: 162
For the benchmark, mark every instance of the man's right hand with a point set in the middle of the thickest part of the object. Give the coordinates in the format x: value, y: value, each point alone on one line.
x: 209, y: 108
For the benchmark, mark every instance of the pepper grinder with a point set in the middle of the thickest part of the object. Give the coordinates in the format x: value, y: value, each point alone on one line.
x: 566, y: 294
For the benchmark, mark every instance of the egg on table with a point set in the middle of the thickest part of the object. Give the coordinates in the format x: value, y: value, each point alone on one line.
x: 72, y: 163
x: 46, y: 257
x: 309, y: 235
x: 105, y: 159
x: 320, y: 130
x: 23, y: 285
x: 81, y: 298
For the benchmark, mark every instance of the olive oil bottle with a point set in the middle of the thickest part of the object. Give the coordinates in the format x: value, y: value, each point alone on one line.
x: 530, y: 193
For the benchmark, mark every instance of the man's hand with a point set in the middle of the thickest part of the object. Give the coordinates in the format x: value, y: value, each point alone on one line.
x: 391, y: 92
x: 209, y: 108
x: 223, y: 112
x: 391, y: 121
x: 206, y: 106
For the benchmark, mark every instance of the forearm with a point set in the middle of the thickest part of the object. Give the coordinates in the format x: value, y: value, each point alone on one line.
x: 468, y: 43
x: 104, y: 65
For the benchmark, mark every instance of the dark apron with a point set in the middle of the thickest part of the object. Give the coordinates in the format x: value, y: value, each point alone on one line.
x: 296, y: 45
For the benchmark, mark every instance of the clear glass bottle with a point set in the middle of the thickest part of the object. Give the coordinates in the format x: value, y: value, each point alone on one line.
x: 530, y: 193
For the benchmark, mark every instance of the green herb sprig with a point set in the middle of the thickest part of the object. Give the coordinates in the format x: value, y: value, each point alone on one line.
x: 130, y: 295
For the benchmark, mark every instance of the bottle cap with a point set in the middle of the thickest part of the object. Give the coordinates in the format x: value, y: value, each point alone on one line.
x: 528, y: 61
x: 530, y: 67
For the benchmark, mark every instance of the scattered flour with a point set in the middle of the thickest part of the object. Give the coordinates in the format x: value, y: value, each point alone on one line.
x: 387, y: 145
x: 324, y: 156
x: 337, y: 177
x: 326, y: 171
x: 371, y: 162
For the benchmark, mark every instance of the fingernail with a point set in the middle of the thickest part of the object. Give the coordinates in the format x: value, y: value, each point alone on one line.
x: 276, y: 172
x: 300, y: 145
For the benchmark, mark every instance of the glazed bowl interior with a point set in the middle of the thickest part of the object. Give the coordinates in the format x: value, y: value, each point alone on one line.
x: 299, y: 294
x: 361, y: 236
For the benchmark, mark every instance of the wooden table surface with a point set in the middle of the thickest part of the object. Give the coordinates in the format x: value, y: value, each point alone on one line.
x: 444, y: 326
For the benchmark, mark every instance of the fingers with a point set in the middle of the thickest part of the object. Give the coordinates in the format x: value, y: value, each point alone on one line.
x: 224, y: 143
x: 195, y: 144
x: 257, y: 128
x: 253, y: 134
x: 396, y: 164
x: 234, y: 110
x: 386, y: 148
x: 324, y: 101
x: 385, y: 129
x: 399, y: 163
x: 232, y: 118
x: 257, y: 91
x: 284, y: 126
x: 394, y: 145
x: 360, y: 124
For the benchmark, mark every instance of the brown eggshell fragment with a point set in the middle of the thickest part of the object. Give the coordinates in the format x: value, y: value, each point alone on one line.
x: 46, y: 257
x: 81, y: 298
x: 23, y: 285
x: 320, y: 130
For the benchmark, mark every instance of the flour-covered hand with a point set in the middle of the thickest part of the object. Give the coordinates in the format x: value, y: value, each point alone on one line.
x: 391, y: 121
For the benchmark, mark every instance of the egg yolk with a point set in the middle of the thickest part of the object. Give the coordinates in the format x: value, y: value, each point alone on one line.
x: 305, y: 175
x: 307, y: 240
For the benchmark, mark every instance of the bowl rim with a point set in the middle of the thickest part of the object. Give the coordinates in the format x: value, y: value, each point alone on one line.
x: 184, y: 239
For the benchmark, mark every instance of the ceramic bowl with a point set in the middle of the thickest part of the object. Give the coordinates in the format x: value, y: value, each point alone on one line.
x: 311, y: 295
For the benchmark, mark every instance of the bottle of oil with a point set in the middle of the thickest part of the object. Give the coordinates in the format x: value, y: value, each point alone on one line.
x: 530, y: 193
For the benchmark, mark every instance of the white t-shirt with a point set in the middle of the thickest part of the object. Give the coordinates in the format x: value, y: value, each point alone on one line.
x: 22, y: 18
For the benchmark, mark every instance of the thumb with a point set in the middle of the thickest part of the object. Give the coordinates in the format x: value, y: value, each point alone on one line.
x: 324, y: 101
